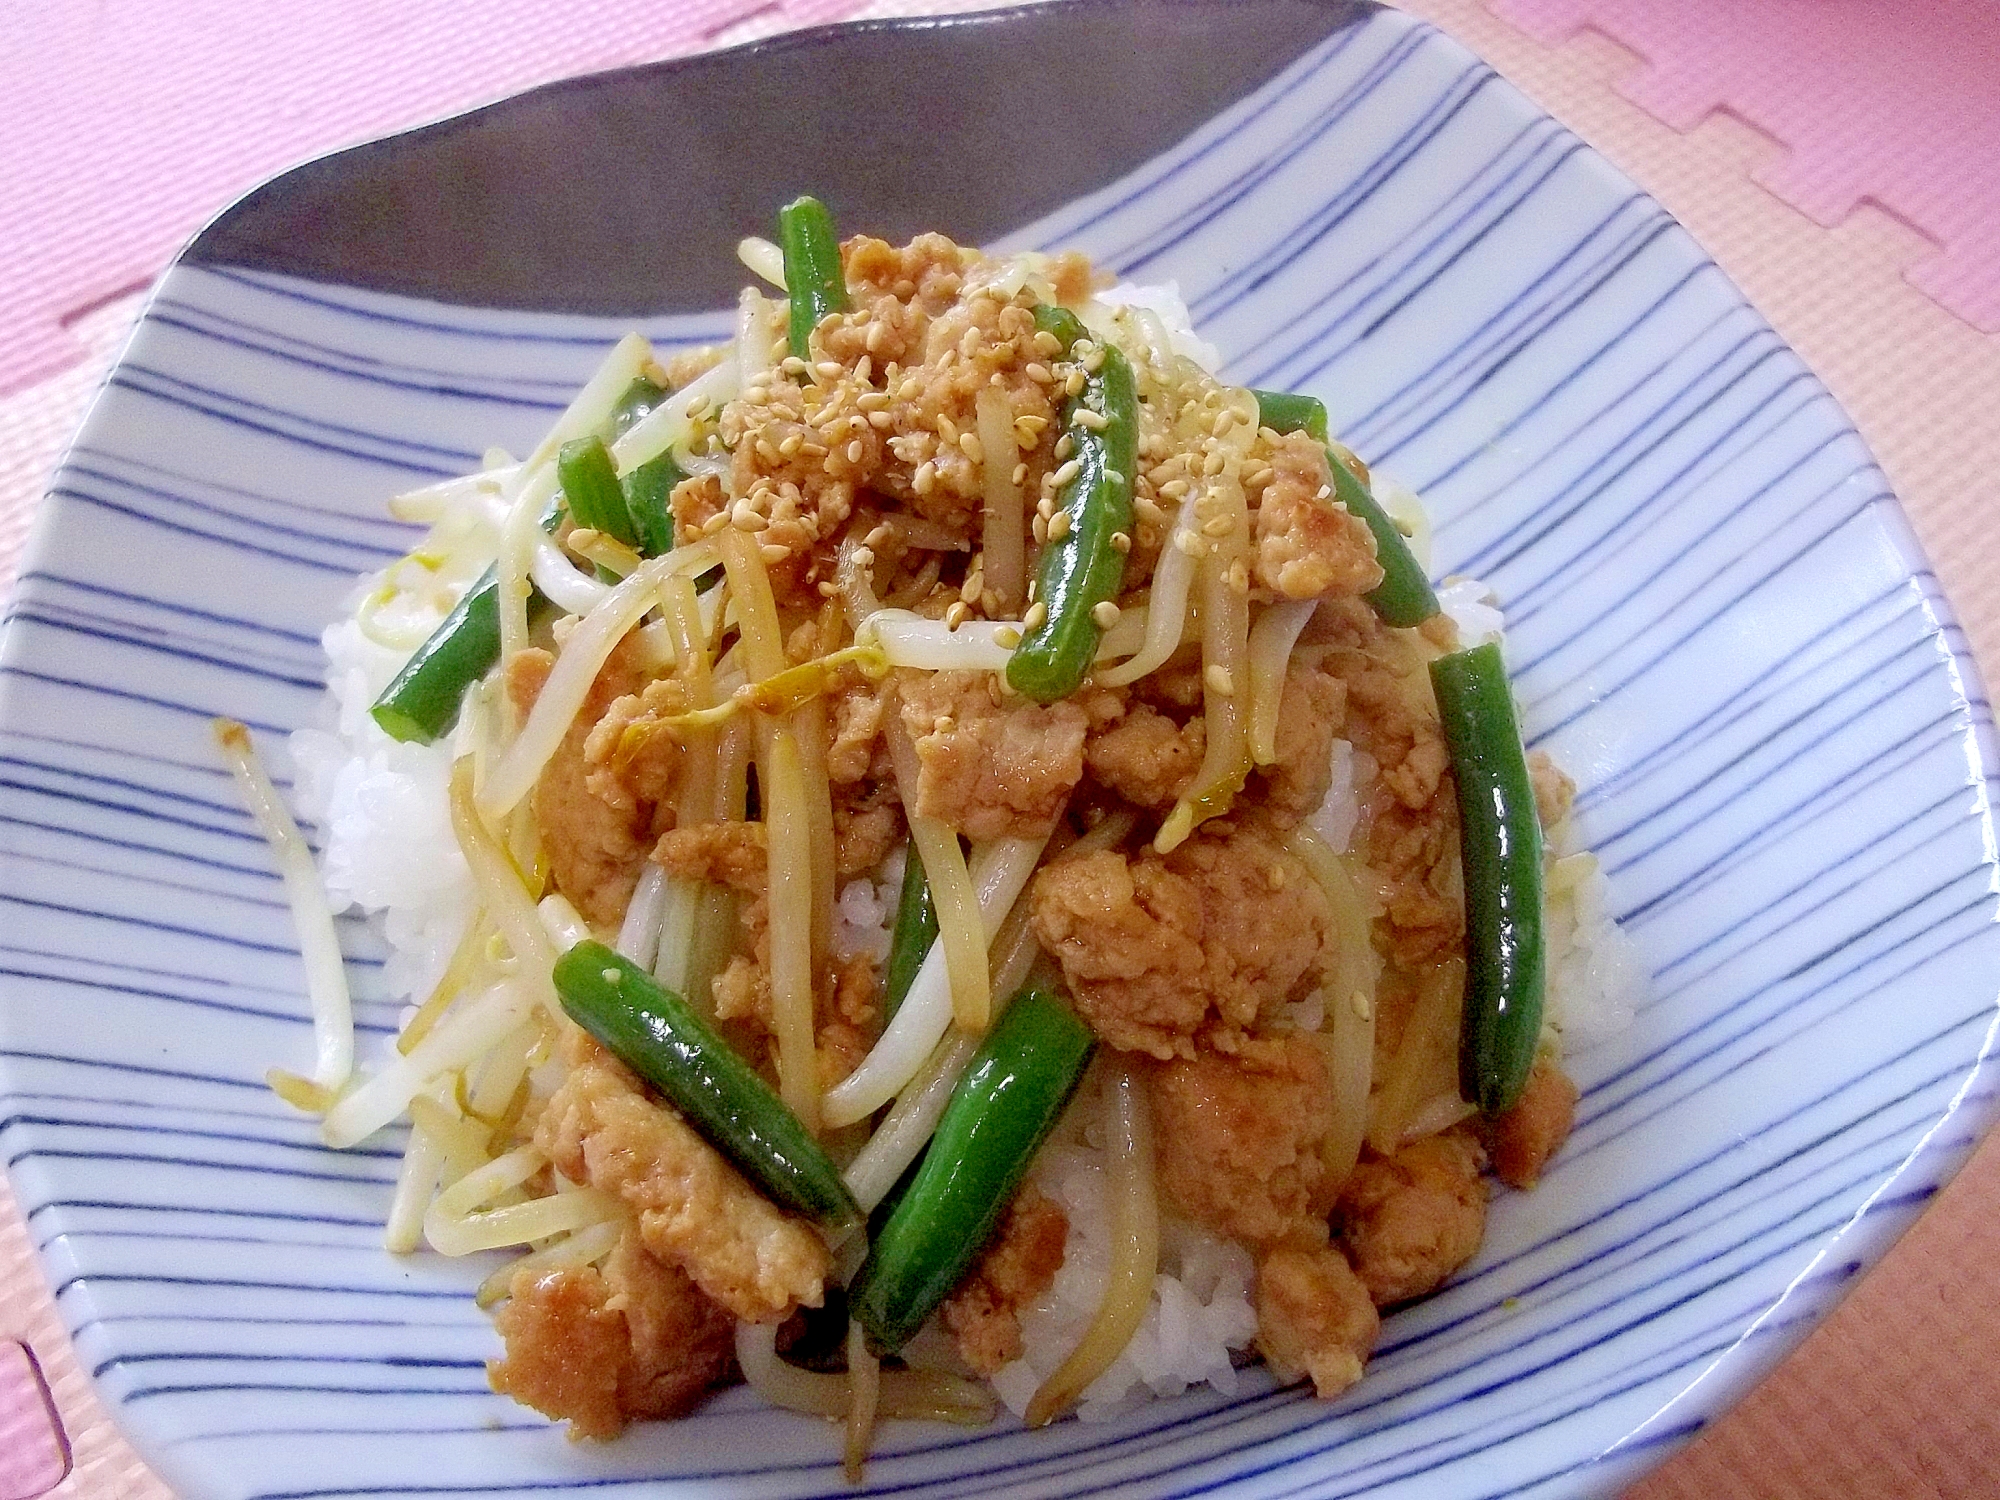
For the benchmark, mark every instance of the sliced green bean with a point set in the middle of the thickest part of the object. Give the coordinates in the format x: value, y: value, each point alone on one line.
x: 1500, y: 849
x: 1404, y: 596
x: 649, y: 493
x: 421, y: 701
x: 1285, y: 411
x: 666, y: 1042
x: 814, y: 279
x: 640, y: 397
x: 1004, y: 1107
x: 1081, y: 566
x: 590, y: 487
x: 916, y: 930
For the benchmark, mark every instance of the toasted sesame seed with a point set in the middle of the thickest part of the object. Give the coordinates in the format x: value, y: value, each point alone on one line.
x: 1105, y: 614
x: 1148, y: 509
x: 1040, y: 373
x: 910, y: 389
x: 1094, y: 361
x: 872, y: 400
x: 1258, y: 476
x: 1112, y: 476
x: 881, y: 421
x: 1237, y: 577
x: 1040, y: 528
x: 1047, y: 343
x: 1006, y: 637
x: 827, y: 590
x: 969, y: 445
x: 1120, y: 542
x: 924, y: 478
x: 878, y: 335
x: 1066, y: 473
x: 972, y: 588
x: 715, y: 523
x: 1358, y: 1002
x: 745, y: 517
x: 1020, y: 474
x: 791, y: 364
x: 864, y: 367
x: 1218, y: 526
x: 882, y: 533
x: 1174, y: 489
x: 773, y: 552
x: 829, y: 369
x: 1036, y: 617
x: 1065, y: 446
x: 1096, y: 421
x: 791, y: 444
x: 957, y: 615
x: 1213, y: 465
x: 855, y: 451
x: 1218, y: 680
x: 947, y: 429
x: 1060, y: 525
x: 1074, y: 385
x: 1187, y: 542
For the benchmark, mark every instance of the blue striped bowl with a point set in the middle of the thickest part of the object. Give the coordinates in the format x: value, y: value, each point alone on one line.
x: 1720, y: 622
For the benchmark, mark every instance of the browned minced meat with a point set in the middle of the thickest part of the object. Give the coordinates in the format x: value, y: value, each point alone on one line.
x: 598, y: 1349
x: 1314, y: 1317
x: 633, y: 756
x: 1146, y: 757
x: 1523, y: 1138
x: 731, y: 854
x: 695, y: 1211
x: 595, y: 847
x: 1555, y: 793
x: 1408, y: 1221
x: 984, y: 1313
x: 1228, y: 924
x: 1238, y: 1139
x: 1306, y: 545
x: 1309, y: 716
x: 991, y: 768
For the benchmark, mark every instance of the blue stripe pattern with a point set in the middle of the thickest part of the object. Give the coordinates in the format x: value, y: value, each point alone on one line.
x: 1718, y: 619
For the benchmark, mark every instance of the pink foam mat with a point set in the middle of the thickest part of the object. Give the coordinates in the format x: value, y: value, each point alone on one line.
x: 140, y: 118
x: 1890, y: 102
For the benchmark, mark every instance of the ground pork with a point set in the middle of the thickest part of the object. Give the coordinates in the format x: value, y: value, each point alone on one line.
x: 1227, y: 925
x: 695, y: 1209
x: 1314, y: 1317
x: 991, y: 767
x: 1523, y: 1138
x: 1310, y: 711
x: 634, y: 758
x: 984, y: 1313
x: 1408, y: 1221
x: 597, y: 1348
x: 1238, y: 1140
x: 1306, y: 545
x: 1146, y: 757
x: 595, y: 846
x: 1555, y: 793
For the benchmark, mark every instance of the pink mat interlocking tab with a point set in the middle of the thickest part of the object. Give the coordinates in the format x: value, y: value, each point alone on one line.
x: 140, y: 120
x: 34, y: 1455
x: 1891, y: 102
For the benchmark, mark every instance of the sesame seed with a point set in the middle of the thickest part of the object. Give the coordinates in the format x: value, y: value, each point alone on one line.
x: 881, y: 421
x: 1218, y: 680
x: 1020, y: 474
x: 772, y: 552
x: 1040, y: 528
x: 1276, y: 876
x: 1148, y: 509
x: 791, y: 445
x: 1187, y: 542
x: 855, y: 450
x: 1174, y: 489
x: 882, y: 533
x: 1036, y: 617
x: 1065, y: 446
x: 1238, y: 577
x: 827, y: 590
x: 1040, y: 373
x: 1006, y: 637
x: 745, y: 517
x: 864, y: 367
x: 715, y: 523
x: 791, y: 364
x: 972, y: 588
x: 1060, y: 525
x: 1257, y: 477
x: 1096, y: 421
x: 1045, y: 507
x: 924, y: 478
x: 1213, y: 465
x: 1074, y: 385
x: 1358, y: 1002
x: 947, y: 429
x: 1105, y: 614
x: 828, y: 369
x: 1066, y: 473
x: 1120, y: 542
x: 878, y: 335
x: 872, y: 400
x: 909, y: 389
x: 1218, y: 526
x: 957, y: 615
x: 1112, y: 476
x: 1224, y: 420
x: 1094, y: 361
x: 1047, y: 343
x: 1325, y: 492
x: 968, y: 444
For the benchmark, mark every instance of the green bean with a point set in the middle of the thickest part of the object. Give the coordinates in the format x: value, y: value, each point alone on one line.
x: 649, y: 492
x: 1081, y: 566
x: 1283, y: 411
x: 916, y: 930
x: 1404, y: 596
x: 667, y: 1043
x: 640, y: 397
x: 1004, y: 1107
x: 421, y: 701
x: 1500, y: 849
x: 813, y: 276
x: 590, y: 486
